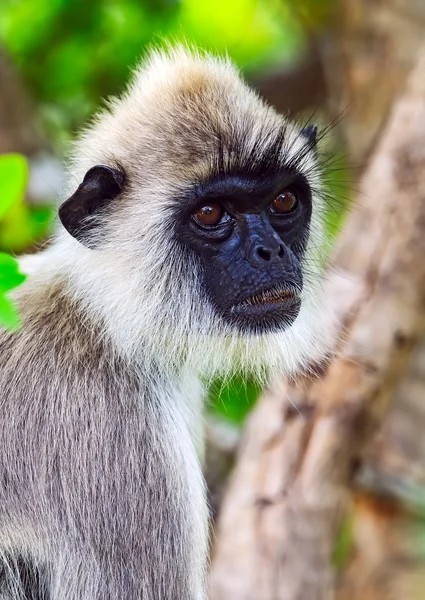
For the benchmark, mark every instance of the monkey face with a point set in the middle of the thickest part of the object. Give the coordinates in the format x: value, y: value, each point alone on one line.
x: 200, y: 215
x: 242, y: 220
x: 249, y: 232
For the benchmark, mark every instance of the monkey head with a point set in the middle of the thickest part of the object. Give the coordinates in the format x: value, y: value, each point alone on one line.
x: 198, y: 214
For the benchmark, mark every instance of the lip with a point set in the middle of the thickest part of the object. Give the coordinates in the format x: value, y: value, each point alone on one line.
x: 268, y: 299
x: 272, y: 309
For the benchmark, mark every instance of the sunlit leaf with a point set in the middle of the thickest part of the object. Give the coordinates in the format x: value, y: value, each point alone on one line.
x: 10, y: 278
x: 9, y: 316
x: 250, y: 31
x: 13, y: 181
x: 8, y: 281
x: 343, y: 543
x: 233, y: 399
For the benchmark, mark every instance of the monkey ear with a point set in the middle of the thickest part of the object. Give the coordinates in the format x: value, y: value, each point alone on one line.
x: 310, y: 132
x: 100, y: 184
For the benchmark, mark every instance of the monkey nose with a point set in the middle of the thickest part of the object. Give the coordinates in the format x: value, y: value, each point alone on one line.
x: 267, y: 253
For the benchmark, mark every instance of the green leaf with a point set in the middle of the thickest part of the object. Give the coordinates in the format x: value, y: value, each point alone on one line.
x: 252, y: 32
x: 10, y: 278
x: 41, y: 220
x: 343, y: 543
x: 9, y: 316
x: 10, y: 281
x: 13, y: 181
x: 233, y: 399
x: 8, y: 264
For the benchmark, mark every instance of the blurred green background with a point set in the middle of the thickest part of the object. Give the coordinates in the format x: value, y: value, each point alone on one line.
x: 72, y: 53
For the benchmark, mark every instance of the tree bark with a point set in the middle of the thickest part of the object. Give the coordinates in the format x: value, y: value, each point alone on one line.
x: 367, y: 60
x: 292, y: 483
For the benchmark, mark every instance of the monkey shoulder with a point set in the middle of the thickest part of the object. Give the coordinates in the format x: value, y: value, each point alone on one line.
x: 58, y: 351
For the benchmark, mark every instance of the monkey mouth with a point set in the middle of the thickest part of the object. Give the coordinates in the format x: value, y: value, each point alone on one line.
x: 271, y: 297
x: 268, y: 310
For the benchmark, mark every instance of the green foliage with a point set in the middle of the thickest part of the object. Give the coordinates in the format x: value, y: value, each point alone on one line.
x: 10, y: 278
x: 233, y: 399
x: 344, y: 543
x: 13, y: 180
x: 73, y: 52
x: 20, y: 224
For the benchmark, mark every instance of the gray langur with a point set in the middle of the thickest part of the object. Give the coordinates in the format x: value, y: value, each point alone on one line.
x: 187, y: 248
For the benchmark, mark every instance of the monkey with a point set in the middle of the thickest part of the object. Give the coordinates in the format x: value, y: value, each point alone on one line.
x: 188, y: 246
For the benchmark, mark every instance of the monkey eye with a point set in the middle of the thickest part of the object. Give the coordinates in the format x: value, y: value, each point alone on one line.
x: 284, y: 203
x: 209, y: 215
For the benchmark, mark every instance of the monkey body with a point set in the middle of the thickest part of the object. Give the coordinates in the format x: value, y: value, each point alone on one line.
x: 194, y: 234
x: 90, y: 490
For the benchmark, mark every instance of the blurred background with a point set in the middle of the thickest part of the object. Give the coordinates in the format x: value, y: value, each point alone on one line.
x: 340, y: 62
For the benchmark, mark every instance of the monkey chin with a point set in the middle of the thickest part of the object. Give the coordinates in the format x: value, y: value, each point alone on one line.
x: 258, y: 317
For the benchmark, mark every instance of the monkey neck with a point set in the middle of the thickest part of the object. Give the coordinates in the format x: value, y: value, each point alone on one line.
x: 73, y: 283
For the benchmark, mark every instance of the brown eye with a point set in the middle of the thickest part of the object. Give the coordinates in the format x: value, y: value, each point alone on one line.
x: 210, y: 214
x: 284, y: 203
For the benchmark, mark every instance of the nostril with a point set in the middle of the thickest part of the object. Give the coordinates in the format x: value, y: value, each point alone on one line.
x: 281, y: 252
x: 263, y: 253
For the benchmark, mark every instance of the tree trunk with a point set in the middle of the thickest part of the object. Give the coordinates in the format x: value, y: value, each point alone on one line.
x: 373, y: 48
x: 17, y: 133
x: 291, y: 486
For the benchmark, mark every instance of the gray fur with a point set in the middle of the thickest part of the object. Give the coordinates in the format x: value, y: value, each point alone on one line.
x: 91, y: 481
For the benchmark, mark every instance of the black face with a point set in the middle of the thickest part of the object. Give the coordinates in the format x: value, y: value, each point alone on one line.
x: 250, y: 234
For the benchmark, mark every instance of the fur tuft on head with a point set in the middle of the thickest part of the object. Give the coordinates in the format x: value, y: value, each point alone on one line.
x: 185, y: 116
